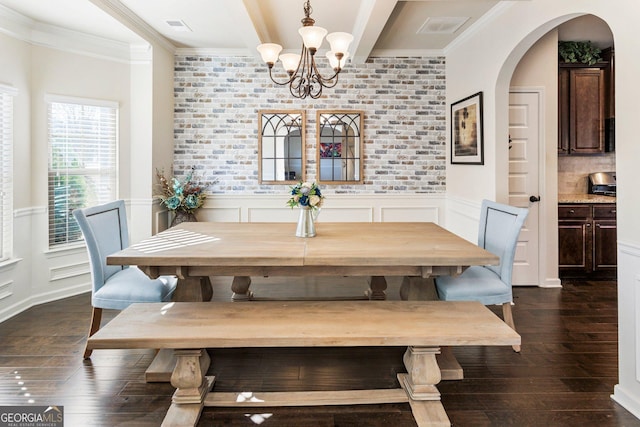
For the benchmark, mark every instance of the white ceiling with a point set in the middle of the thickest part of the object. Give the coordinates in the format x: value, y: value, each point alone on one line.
x: 239, y: 25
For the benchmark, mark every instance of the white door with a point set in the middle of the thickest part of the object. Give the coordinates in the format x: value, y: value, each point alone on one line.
x: 524, y: 132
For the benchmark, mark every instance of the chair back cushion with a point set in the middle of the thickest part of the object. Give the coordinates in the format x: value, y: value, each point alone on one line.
x: 499, y: 230
x: 104, y: 228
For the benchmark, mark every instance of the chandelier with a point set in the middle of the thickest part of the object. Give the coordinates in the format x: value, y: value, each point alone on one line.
x: 304, y: 77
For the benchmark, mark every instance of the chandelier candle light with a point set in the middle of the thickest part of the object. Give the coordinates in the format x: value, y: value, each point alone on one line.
x: 304, y: 77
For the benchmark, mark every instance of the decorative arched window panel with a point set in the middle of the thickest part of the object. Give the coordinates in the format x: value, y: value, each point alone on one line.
x: 339, y: 150
x: 281, y: 150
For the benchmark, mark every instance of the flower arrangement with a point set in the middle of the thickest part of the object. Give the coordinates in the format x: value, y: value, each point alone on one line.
x: 306, y: 194
x: 180, y: 196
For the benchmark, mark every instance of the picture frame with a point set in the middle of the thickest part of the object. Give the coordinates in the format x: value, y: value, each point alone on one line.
x: 467, y: 145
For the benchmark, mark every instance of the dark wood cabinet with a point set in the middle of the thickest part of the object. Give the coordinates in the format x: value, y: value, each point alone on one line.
x: 587, y: 241
x: 604, y: 238
x: 581, y: 109
x: 575, y: 240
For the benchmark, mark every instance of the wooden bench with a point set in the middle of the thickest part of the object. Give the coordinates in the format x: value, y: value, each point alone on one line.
x: 192, y: 327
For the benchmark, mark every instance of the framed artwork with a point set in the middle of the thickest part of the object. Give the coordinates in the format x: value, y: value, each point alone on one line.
x: 467, y: 146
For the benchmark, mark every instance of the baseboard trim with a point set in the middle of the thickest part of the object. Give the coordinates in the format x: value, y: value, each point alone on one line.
x: 42, y: 298
x: 626, y: 400
x: 551, y: 283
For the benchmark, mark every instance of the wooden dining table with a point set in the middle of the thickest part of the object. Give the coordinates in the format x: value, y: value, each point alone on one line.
x: 195, y: 251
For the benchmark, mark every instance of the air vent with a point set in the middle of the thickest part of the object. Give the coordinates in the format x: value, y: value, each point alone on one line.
x: 442, y: 25
x: 178, y: 25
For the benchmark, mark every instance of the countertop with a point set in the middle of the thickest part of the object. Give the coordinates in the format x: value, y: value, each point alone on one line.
x: 585, y: 198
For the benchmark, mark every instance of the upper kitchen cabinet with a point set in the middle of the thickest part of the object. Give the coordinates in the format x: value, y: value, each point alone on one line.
x: 608, y: 55
x: 581, y: 107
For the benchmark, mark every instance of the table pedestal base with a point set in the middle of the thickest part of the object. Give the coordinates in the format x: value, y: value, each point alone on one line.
x: 240, y: 288
x: 377, y: 288
x: 418, y: 388
x: 193, y: 289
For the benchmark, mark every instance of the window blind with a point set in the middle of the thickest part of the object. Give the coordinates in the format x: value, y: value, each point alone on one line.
x: 6, y: 171
x: 82, y: 162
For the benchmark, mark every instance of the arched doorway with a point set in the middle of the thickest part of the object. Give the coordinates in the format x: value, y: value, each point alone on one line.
x: 531, y: 168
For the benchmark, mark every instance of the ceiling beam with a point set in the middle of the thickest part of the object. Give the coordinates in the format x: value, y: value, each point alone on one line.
x: 239, y: 15
x: 372, y: 17
x: 126, y: 17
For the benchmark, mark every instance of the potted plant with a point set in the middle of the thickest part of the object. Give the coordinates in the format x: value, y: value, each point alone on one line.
x: 182, y: 197
x: 584, y: 52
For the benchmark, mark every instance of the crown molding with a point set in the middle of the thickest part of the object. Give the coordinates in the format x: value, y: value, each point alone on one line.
x: 405, y: 53
x: 213, y: 51
x: 15, y: 25
x: 20, y: 27
x: 376, y: 53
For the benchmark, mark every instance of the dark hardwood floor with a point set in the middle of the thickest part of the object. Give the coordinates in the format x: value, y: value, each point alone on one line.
x: 563, y: 377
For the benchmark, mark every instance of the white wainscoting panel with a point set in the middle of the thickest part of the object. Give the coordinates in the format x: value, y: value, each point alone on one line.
x: 463, y: 217
x: 347, y: 214
x: 62, y: 272
x: 336, y: 208
x: 5, y: 289
x: 410, y: 214
x: 222, y: 214
x: 627, y: 391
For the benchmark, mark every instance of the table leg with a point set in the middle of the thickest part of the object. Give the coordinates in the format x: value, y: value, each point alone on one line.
x: 240, y: 288
x: 193, y: 289
x: 418, y: 289
x: 377, y: 288
x: 191, y: 385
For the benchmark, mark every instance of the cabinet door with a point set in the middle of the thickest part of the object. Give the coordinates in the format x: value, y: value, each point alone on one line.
x: 604, y: 245
x: 586, y: 110
x: 563, y: 111
x: 574, y: 238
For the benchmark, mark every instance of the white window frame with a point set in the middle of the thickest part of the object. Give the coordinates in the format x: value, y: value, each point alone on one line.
x: 7, y: 93
x: 80, y: 142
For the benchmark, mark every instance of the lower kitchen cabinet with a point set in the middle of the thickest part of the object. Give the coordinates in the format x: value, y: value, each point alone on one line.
x: 587, y: 238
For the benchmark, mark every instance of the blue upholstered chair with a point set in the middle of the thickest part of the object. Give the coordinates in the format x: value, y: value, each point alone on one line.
x: 499, y: 229
x: 115, y: 287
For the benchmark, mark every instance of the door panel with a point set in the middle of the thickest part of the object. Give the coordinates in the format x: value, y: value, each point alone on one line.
x: 524, y: 132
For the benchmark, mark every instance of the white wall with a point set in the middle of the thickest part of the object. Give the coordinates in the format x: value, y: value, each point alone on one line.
x: 494, y: 50
x: 152, y: 95
x: 15, y: 277
x: 37, y: 71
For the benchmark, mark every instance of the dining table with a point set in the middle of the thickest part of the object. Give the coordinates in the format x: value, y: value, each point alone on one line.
x: 196, y: 251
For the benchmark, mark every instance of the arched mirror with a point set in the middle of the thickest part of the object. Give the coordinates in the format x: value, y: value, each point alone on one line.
x: 340, y: 145
x: 281, y: 150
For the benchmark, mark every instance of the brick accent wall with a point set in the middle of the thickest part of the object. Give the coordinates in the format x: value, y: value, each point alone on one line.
x: 217, y: 100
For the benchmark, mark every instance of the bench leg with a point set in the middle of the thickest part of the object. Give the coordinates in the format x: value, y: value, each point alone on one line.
x: 420, y: 382
x: 240, y: 288
x: 423, y: 373
x: 377, y: 288
x: 191, y: 387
